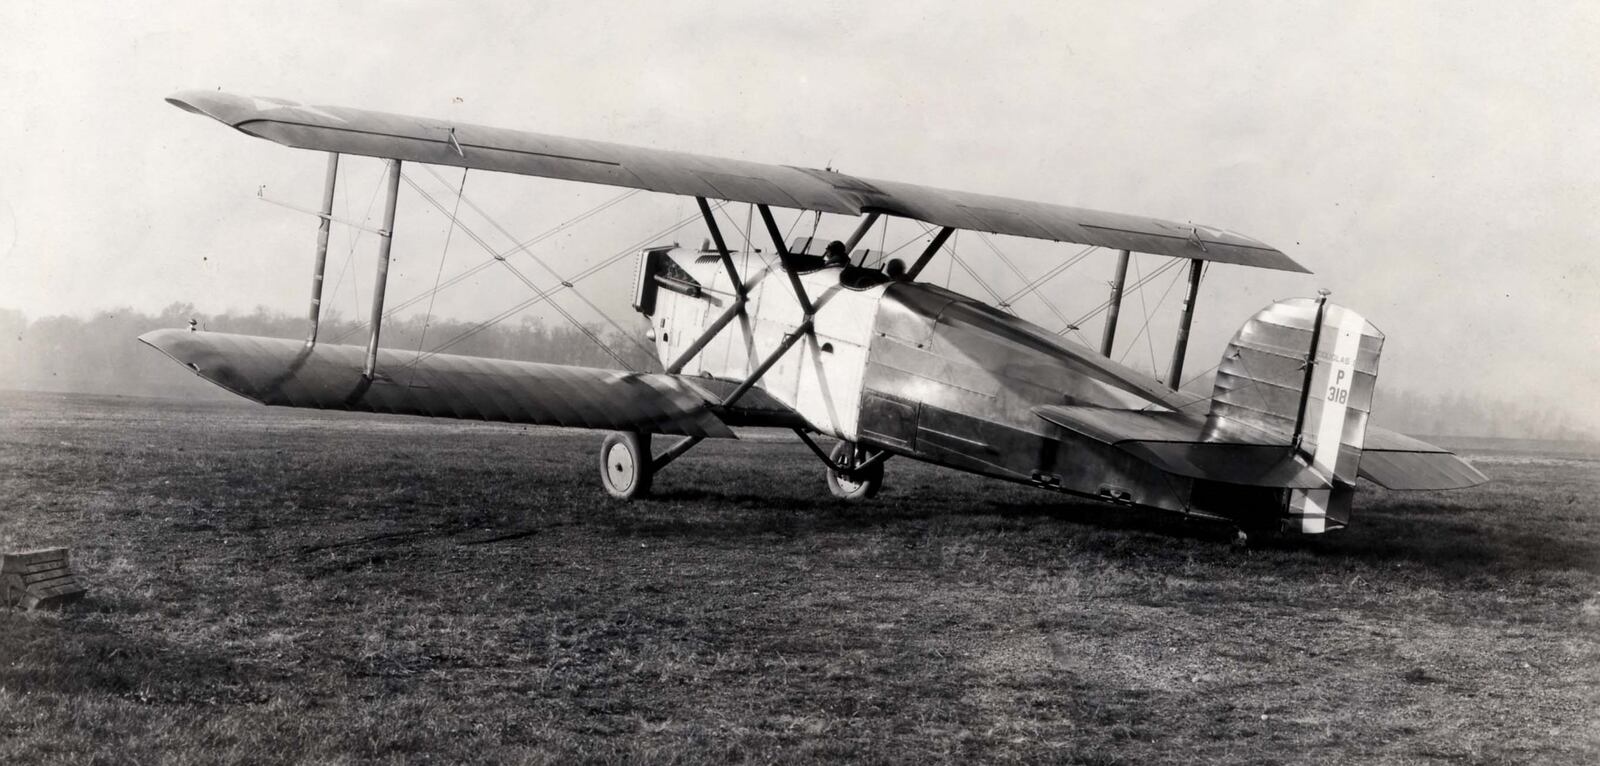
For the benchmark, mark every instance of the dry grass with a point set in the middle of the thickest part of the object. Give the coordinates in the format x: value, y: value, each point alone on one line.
x: 289, y: 586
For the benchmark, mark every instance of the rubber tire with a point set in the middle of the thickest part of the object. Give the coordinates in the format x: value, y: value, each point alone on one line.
x: 625, y: 470
x: 865, y: 484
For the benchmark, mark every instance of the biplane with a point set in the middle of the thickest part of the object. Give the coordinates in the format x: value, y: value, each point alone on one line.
x: 887, y: 365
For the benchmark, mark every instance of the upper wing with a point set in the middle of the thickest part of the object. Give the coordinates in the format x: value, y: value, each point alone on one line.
x: 282, y: 372
x: 417, y: 139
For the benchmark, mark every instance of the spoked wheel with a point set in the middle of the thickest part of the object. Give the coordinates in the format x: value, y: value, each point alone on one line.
x: 853, y: 485
x: 625, y: 468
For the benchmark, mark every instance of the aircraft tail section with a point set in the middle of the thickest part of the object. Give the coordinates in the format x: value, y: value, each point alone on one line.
x: 1284, y: 436
x: 1301, y: 372
x: 1287, y: 434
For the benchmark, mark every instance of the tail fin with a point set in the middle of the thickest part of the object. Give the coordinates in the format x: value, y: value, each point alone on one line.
x: 1302, y: 371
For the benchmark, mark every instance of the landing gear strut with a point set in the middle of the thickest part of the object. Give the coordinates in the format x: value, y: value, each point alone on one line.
x: 861, y: 478
x: 626, y: 467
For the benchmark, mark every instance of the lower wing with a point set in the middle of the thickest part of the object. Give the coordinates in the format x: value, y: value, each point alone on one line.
x: 286, y: 373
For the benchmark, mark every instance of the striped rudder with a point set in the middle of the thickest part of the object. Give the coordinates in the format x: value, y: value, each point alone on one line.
x: 1301, y: 373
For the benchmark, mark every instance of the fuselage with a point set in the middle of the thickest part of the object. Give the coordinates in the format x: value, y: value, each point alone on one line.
x: 917, y: 370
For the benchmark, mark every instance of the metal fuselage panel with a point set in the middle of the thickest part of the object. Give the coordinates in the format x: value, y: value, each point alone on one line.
x: 820, y: 377
x: 953, y: 381
x: 920, y: 371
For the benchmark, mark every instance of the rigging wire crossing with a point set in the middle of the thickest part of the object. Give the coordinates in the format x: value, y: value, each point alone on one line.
x: 468, y: 273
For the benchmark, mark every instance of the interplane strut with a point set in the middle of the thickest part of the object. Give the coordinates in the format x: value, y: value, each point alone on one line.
x: 786, y: 260
x: 323, y: 227
x: 390, y: 202
x: 1115, y: 307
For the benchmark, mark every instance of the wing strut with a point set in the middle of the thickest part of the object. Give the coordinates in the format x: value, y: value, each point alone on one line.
x: 787, y: 261
x: 391, y: 198
x: 323, y: 225
x: 710, y: 332
x: 1181, y: 347
x: 766, y: 364
x: 849, y: 470
x: 1117, y: 283
x: 722, y: 247
x: 674, y: 452
x: 927, y: 255
x: 731, y: 311
x: 806, y: 327
x: 861, y: 231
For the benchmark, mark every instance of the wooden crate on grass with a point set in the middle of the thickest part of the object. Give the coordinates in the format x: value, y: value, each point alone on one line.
x: 32, y: 579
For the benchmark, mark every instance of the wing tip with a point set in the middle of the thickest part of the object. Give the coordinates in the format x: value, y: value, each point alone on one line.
x: 163, y: 339
x: 227, y: 108
x: 1282, y: 262
x: 204, y: 102
x: 188, y: 100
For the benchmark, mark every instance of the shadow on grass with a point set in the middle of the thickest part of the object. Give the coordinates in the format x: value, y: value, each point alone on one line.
x: 1455, y: 544
x: 1458, y: 547
x: 703, y: 513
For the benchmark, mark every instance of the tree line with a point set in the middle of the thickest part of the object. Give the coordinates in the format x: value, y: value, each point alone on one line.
x: 101, y: 355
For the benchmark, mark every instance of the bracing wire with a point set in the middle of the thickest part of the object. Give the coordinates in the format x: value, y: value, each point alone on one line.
x: 1150, y: 338
x: 981, y: 283
x: 735, y: 224
x: 524, y: 279
x: 1144, y: 308
x: 788, y: 234
x: 490, y: 262
x: 576, y: 278
x: 1014, y: 270
x: 344, y: 205
x: 355, y: 292
x: 1105, y: 304
x: 557, y: 275
x: 951, y: 267
x: 970, y: 272
x: 903, y: 245
x: 427, y: 317
x: 1196, y: 377
x: 749, y: 224
x: 1051, y: 274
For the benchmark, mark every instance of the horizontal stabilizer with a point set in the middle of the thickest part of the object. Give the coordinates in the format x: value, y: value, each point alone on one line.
x: 1396, y: 461
x: 286, y: 373
x: 1171, y: 441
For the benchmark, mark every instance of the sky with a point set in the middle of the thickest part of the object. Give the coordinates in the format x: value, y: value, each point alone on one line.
x: 1435, y: 164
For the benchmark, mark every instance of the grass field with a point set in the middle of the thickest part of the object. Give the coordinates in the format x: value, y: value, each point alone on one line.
x: 273, y: 585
